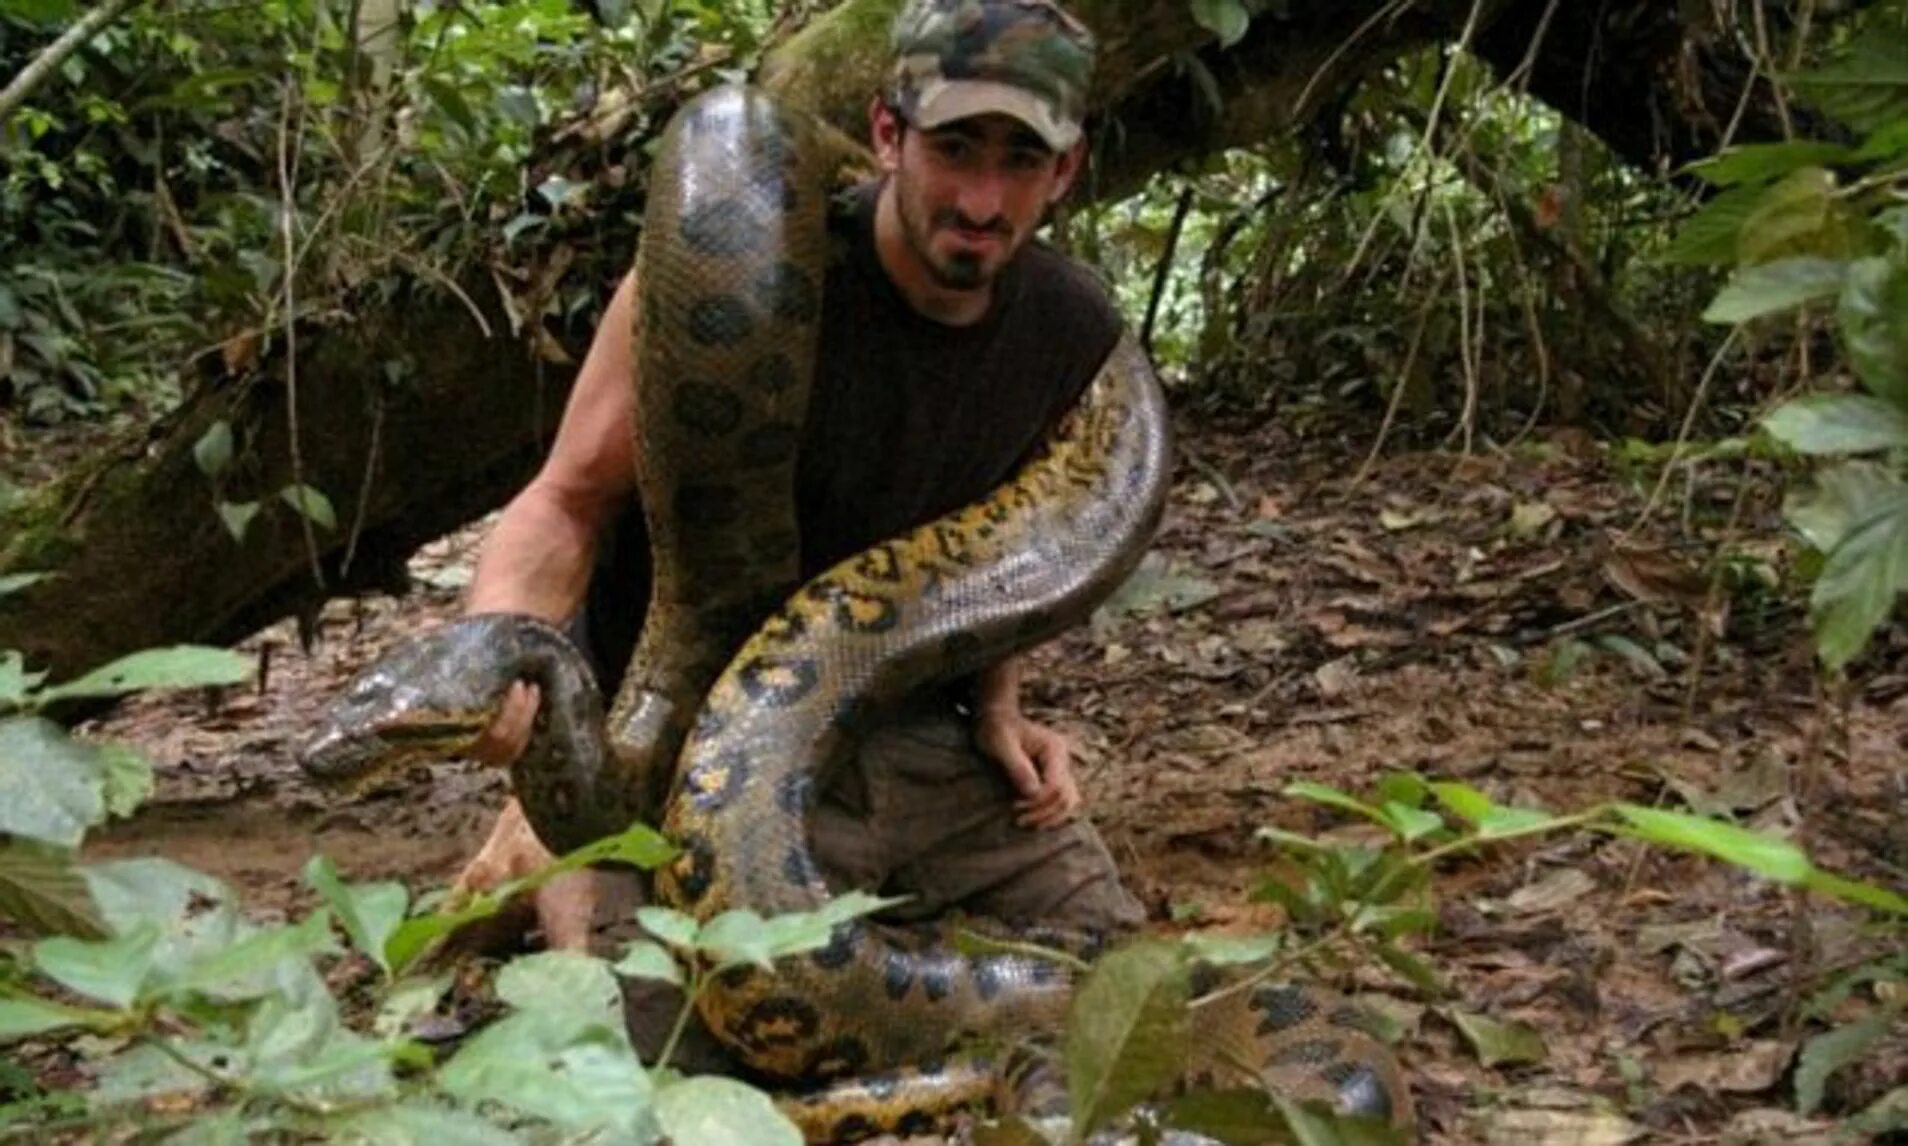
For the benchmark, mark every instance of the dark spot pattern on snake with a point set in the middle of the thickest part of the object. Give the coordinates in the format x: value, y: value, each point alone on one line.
x: 724, y: 228
x: 707, y: 408
x: 1283, y: 1007
x: 720, y: 320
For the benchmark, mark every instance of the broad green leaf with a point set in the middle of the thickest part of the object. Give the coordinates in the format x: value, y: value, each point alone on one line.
x: 1462, y: 800
x: 1769, y: 288
x: 145, y: 1071
x: 1858, y: 586
x: 1825, y: 1054
x: 1498, y: 1043
x: 1708, y: 238
x: 1242, y: 1117
x: 237, y: 517
x: 408, y: 1000
x: 369, y: 912
x: 797, y: 933
x: 15, y: 582
x: 722, y: 1112
x: 1874, y: 318
x: 1231, y: 950
x: 576, y: 994
x: 110, y: 971
x: 1128, y: 1031
x: 1885, y: 143
x: 23, y: 1015
x: 1868, y: 88
x: 1798, y: 216
x: 669, y: 925
x: 41, y: 889
x: 1407, y: 788
x: 417, y: 1122
x: 1766, y: 856
x: 311, y: 504
x: 1321, y: 794
x: 129, y: 779
x: 1313, y: 1125
x: 1411, y: 969
x: 182, y: 666
x: 1226, y: 19
x: 1886, y: 1114
x: 15, y: 680
x: 213, y: 450
x: 640, y: 846
x: 736, y: 936
x: 1761, y: 162
x: 52, y: 787
x: 159, y: 891
x: 1838, y: 424
x: 1412, y: 824
x: 1856, y: 891
x: 518, y: 1062
x: 1844, y: 493
x: 646, y: 960
x: 248, y: 969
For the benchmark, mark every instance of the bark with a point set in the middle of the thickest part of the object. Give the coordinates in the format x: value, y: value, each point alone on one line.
x: 141, y: 559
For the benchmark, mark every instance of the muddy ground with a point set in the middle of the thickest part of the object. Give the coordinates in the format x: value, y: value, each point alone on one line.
x: 1531, y: 621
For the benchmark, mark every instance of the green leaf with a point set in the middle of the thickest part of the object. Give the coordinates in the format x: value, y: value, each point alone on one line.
x: 213, y: 450
x: 15, y: 681
x: 1844, y: 493
x: 1320, y: 794
x: 1128, y: 1032
x: 369, y: 912
x: 417, y: 1122
x: 1231, y: 950
x: 1411, y: 969
x: 575, y: 994
x: 669, y: 925
x: 52, y: 787
x: 1504, y: 823
x: 110, y: 971
x: 1313, y: 1125
x: 181, y: 666
x: 1874, y: 318
x: 42, y: 889
x: 237, y: 517
x: 646, y: 960
x: 1858, y: 586
x: 1856, y: 891
x: 722, y: 1112
x: 520, y: 1062
x: 408, y: 1000
x: 1766, y: 856
x: 1498, y: 1043
x: 158, y: 891
x: 1243, y: 1117
x: 21, y: 1016
x: 1410, y: 823
x: 1226, y: 19
x: 1798, y: 216
x: 1886, y: 1114
x: 311, y: 504
x: 1838, y: 424
x: 640, y: 846
x: 129, y: 779
x: 1761, y: 162
x: 147, y: 1072
x: 1868, y: 88
x: 1778, y: 286
x: 248, y: 969
x: 13, y: 583
x: 1825, y: 1054
x: 1708, y: 238
x: 1462, y: 800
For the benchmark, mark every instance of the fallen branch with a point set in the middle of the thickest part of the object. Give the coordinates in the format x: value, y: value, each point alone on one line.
x: 49, y: 61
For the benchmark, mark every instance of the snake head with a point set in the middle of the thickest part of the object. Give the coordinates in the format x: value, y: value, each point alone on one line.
x: 428, y: 699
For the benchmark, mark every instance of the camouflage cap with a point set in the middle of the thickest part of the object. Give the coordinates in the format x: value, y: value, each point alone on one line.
x: 1023, y: 58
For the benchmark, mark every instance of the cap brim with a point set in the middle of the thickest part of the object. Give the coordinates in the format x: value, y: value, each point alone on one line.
x: 942, y: 102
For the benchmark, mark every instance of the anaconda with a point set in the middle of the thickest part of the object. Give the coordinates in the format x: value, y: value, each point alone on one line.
x: 730, y: 263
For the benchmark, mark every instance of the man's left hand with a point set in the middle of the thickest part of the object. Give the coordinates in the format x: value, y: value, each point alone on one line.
x: 1038, y: 760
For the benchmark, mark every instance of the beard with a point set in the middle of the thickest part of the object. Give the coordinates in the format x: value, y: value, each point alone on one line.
x: 956, y: 270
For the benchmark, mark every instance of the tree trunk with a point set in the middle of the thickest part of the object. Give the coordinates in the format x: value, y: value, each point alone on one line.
x: 419, y: 419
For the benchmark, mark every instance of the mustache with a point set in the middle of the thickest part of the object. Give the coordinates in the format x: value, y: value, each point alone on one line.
x: 951, y: 217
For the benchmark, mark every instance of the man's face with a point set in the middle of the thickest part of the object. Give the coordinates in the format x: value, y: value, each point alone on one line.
x: 969, y: 193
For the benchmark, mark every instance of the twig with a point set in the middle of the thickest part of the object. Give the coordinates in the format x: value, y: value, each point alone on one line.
x: 1164, y: 270
x: 1404, y: 380
x: 49, y: 61
x: 1212, y: 474
x: 1468, y: 340
x: 1689, y: 422
x: 288, y: 206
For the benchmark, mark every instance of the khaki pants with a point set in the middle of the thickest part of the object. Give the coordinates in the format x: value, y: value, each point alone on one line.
x: 920, y: 812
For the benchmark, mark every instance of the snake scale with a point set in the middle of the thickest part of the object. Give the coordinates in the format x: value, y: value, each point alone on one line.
x: 730, y: 270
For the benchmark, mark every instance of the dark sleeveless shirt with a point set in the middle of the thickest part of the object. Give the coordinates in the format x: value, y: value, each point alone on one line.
x: 909, y: 418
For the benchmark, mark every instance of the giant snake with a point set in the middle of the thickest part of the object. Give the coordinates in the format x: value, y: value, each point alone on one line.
x: 733, y: 746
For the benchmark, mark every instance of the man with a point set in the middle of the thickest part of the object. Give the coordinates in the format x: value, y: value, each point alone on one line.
x: 951, y: 341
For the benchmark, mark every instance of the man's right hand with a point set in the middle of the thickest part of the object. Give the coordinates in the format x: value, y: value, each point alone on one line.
x: 509, y: 733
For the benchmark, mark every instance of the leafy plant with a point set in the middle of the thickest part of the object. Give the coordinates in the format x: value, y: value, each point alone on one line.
x: 1822, y: 224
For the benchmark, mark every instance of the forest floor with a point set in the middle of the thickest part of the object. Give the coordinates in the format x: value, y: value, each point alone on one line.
x: 1515, y: 620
